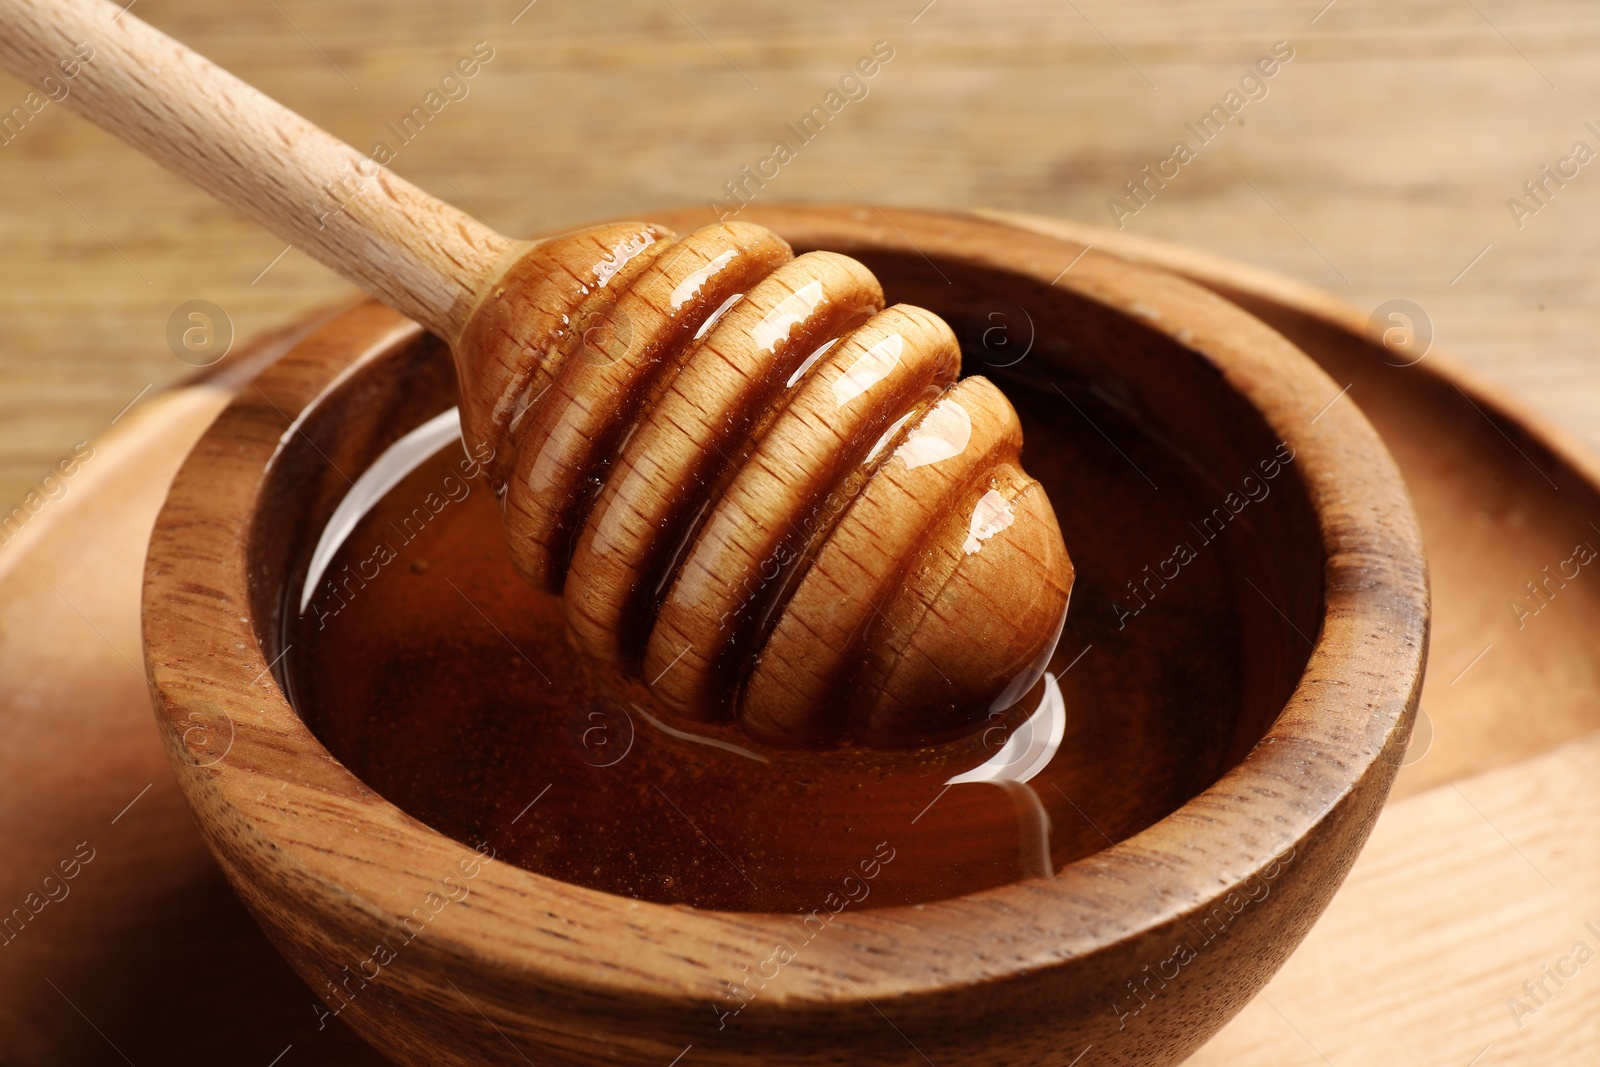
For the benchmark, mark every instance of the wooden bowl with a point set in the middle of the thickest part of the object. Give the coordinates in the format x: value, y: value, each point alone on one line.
x: 1215, y: 853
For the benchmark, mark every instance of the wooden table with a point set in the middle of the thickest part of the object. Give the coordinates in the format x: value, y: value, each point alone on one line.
x: 1378, y: 164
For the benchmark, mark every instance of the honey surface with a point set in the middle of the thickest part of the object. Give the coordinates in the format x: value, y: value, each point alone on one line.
x: 449, y: 686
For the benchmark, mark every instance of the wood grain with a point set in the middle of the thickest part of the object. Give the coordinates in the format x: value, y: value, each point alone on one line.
x: 1474, y: 471
x: 1364, y: 986
x: 105, y: 966
x: 1392, y: 142
x: 1394, y: 147
x: 1465, y: 892
x: 430, y: 260
x: 576, y: 975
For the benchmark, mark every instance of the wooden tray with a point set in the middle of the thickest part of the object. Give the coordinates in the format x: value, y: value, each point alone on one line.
x: 1481, y: 874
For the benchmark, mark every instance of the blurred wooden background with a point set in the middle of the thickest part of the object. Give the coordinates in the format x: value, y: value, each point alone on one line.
x: 1378, y: 165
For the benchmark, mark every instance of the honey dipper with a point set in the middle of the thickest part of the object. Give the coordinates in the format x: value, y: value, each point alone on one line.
x: 754, y: 485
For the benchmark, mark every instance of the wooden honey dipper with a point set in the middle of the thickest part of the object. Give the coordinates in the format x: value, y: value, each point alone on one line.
x: 754, y: 485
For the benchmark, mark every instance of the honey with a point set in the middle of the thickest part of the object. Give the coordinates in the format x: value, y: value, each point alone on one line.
x: 449, y: 685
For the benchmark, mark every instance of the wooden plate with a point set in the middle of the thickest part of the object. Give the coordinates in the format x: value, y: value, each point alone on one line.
x: 144, y: 955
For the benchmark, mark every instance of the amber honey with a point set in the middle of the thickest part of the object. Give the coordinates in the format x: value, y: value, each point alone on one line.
x: 450, y: 687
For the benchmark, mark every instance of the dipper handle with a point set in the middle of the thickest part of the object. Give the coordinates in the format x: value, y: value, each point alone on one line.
x: 414, y: 252
x: 754, y: 485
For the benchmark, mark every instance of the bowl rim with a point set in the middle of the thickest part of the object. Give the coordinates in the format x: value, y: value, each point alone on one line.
x: 1340, y: 730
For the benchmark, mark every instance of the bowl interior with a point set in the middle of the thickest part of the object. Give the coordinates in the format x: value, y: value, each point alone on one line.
x: 429, y: 670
